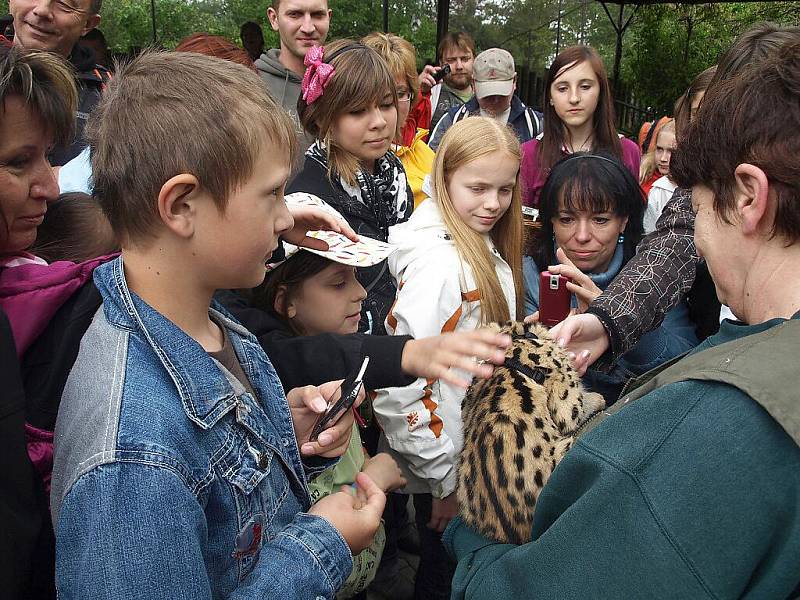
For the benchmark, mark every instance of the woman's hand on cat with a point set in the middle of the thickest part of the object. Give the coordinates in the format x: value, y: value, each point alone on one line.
x: 584, y: 337
x: 580, y: 284
x: 384, y: 471
x: 437, y: 357
x: 443, y: 510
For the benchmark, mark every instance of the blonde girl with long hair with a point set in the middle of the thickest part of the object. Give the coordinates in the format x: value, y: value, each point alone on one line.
x: 458, y: 266
x: 661, y: 186
x: 655, y: 164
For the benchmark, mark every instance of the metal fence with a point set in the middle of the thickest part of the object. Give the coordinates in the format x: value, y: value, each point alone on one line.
x: 630, y: 113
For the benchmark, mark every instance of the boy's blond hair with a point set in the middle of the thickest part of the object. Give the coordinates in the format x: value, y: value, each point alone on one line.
x: 463, y: 143
x: 168, y: 113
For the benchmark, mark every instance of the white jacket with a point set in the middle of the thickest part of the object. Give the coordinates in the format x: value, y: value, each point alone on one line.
x: 436, y: 293
x: 657, y: 199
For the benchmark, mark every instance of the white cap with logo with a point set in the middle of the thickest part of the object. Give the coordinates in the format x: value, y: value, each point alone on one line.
x: 493, y: 73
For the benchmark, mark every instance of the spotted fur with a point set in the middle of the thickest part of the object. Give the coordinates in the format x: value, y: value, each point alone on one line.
x: 516, y: 431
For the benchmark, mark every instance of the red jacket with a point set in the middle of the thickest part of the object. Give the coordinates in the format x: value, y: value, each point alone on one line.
x: 419, y: 117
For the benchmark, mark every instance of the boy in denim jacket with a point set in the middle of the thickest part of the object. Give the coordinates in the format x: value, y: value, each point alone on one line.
x: 177, y: 469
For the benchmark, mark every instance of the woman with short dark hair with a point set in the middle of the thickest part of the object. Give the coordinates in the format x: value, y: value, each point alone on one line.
x: 37, y: 108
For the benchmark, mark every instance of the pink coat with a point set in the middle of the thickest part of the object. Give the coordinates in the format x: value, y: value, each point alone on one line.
x: 533, y: 180
x: 31, y: 292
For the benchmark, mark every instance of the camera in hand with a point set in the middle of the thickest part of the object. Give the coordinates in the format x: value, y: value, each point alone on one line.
x: 442, y: 73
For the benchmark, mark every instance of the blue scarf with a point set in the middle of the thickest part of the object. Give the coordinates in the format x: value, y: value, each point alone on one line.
x: 602, y: 280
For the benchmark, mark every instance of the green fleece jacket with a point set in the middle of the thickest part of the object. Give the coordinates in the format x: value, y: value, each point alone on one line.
x: 689, y: 492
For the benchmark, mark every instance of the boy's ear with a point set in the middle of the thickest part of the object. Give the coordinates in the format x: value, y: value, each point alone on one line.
x: 751, y: 193
x: 282, y: 306
x: 176, y: 205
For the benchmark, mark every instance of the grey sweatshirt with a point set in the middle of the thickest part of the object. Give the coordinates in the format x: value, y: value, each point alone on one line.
x: 284, y: 85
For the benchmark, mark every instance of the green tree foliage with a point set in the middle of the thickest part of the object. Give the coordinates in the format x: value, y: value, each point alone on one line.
x: 664, y: 48
x: 669, y: 44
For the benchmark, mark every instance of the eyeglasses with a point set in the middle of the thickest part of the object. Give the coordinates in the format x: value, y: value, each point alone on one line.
x: 403, y: 95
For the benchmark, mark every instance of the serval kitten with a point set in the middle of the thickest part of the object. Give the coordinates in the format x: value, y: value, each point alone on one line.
x: 518, y: 424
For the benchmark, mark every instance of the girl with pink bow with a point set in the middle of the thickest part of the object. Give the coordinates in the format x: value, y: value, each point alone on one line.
x: 349, y: 103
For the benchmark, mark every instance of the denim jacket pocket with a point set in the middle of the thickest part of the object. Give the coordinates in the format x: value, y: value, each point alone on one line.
x: 260, y: 490
x: 257, y: 475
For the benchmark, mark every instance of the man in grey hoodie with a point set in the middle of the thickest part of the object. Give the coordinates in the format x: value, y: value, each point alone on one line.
x: 301, y: 25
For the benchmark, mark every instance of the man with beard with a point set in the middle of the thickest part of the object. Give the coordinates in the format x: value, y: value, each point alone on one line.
x: 458, y: 51
x: 494, y: 80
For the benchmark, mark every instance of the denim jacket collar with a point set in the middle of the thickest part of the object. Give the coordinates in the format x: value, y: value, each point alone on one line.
x: 205, y: 396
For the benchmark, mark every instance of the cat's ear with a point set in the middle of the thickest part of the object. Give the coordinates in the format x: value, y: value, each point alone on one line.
x: 501, y: 328
x: 592, y: 403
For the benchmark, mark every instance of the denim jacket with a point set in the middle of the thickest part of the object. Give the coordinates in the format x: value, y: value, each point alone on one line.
x: 170, y: 480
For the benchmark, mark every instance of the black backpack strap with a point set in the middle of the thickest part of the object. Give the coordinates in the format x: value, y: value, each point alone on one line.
x: 536, y: 121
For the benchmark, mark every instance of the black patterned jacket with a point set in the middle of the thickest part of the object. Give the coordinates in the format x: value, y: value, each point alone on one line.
x: 654, y: 280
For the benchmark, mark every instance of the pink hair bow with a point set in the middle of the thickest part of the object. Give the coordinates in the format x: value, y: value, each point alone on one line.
x: 318, y: 74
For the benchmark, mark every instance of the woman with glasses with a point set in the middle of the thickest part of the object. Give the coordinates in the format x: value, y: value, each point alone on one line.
x: 413, y: 152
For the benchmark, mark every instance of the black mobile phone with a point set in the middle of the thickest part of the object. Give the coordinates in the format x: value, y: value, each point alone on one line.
x: 348, y: 393
x: 441, y: 73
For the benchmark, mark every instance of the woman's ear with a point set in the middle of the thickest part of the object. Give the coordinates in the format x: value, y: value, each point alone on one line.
x: 751, y: 193
x: 282, y: 305
x: 176, y: 205
x: 623, y: 225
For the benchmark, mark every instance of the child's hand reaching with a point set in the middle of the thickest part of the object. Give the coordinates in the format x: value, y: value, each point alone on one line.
x: 435, y: 357
x: 312, y: 218
x: 383, y: 470
x: 355, y: 516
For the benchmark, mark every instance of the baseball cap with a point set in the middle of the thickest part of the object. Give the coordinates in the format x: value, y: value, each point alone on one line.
x: 341, y: 249
x: 493, y: 73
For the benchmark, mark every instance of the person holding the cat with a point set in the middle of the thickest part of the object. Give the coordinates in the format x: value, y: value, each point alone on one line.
x: 687, y: 487
x: 458, y: 266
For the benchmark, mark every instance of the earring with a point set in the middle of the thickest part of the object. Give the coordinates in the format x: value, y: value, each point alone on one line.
x: 621, y: 238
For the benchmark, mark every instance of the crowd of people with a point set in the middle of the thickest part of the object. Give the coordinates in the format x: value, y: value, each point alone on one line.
x: 204, y: 251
